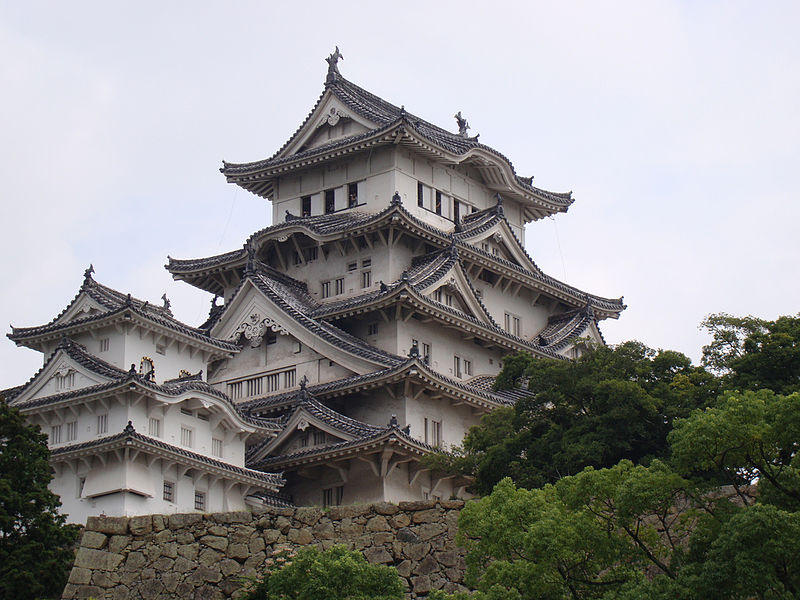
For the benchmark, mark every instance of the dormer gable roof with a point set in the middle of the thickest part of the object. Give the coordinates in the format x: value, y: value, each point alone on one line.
x: 96, y: 305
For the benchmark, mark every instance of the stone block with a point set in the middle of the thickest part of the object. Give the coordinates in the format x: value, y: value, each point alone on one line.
x: 164, y: 536
x: 417, y: 505
x: 421, y: 584
x: 232, y: 517
x: 404, y: 568
x: 209, y: 557
x: 353, y: 510
x: 407, y: 535
x: 218, y: 530
x: 151, y: 589
x: 93, y: 539
x: 170, y: 581
x: 455, y: 575
x: 183, y: 565
x: 117, y: 543
x: 108, y: 525
x: 448, y: 559
x: 452, y: 504
x: 377, y: 555
x: 215, y: 541
x: 349, y: 529
x: 271, y: 536
x: 256, y: 545
x: 429, y: 530
x: 416, y: 551
x: 242, y: 533
x: 308, y: 515
x: 121, y: 592
x: 385, y: 508
x: 170, y: 550
x: 80, y: 576
x: 229, y: 567
x: 427, y: 566
x: 163, y: 564
x: 184, y: 520
x: 238, y: 551
x: 283, y: 525
x: 184, y: 589
x: 400, y: 520
x: 189, y: 551
x: 378, y: 523
x: 323, y: 531
x: 105, y: 579
x: 383, y: 538
x: 159, y: 523
x: 208, y: 592
x: 300, y: 536
x: 140, y: 525
x: 88, y: 558
x: 83, y: 591
x: 426, y: 516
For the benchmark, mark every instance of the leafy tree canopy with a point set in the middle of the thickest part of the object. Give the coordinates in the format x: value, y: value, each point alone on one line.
x: 610, y: 404
x: 35, y: 545
x: 334, y: 574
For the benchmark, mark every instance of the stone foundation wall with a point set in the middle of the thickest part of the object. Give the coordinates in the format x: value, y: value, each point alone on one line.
x: 203, y: 557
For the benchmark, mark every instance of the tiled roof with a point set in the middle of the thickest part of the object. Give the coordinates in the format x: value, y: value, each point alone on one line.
x: 564, y: 327
x: 117, y: 304
x: 271, y: 479
x: 385, y: 115
x: 486, y: 383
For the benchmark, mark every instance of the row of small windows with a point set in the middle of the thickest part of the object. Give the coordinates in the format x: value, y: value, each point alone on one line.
x: 511, y: 323
x: 330, y: 200
x: 68, y: 432
x: 262, y: 384
x: 434, y: 200
x: 170, y: 495
x: 335, y: 287
x: 433, y: 432
x: 333, y: 496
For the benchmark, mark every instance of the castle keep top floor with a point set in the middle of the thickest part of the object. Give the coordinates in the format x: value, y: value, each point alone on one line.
x: 355, y: 150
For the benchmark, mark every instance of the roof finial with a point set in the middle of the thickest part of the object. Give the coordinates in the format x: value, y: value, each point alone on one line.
x: 129, y: 428
x: 250, y: 267
x: 463, y: 124
x: 396, y: 199
x: 167, y: 303
x: 384, y: 287
x: 214, y: 301
x: 303, y: 382
x: 453, y: 249
x: 414, y: 352
x: 499, y: 207
x: 87, y: 274
x: 393, y: 421
x: 333, y: 67
x: 128, y: 300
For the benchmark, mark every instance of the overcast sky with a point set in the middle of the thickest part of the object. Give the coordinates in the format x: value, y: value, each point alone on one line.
x: 675, y: 124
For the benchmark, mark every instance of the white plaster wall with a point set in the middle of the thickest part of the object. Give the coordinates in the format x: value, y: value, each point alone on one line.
x: 533, y: 317
x: 167, y: 365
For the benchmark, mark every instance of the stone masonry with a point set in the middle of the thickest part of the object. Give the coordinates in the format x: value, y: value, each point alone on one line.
x: 205, y: 556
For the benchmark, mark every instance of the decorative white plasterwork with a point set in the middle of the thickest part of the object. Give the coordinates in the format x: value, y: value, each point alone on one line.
x: 254, y: 329
x: 302, y: 425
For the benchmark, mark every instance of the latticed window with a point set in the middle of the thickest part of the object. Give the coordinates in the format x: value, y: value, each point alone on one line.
x: 306, y: 206
x: 169, y: 491
x: 273, y: 382
x: 55, y: 434
x: 186, y: 437
x: 199, y: 501
x: 289, y: 378
x: 72, y: 431
x: 102, y: 423
x: 340, y: 286
x: 154, y: 427
x: 330, y: 201
x: 216, y: 447
x: 366, y: 279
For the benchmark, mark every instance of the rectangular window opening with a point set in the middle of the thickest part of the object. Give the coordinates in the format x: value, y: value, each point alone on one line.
x: 199, y: 501
x: 330, y: 201
x: 366, y: 279
x: 352, y: 195
x: 216, y: 447
x: 154, y: 427
x: 186, y: 437
x: 169, y: 491
x: 306, y: 202
x: 102, y: 424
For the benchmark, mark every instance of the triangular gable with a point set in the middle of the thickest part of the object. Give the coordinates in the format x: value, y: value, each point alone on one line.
x: 82, y: 307
x: 62, y: 373
x: 251, y: 312
x: 301, y: 425
x: 455, y: 283
x: 500, y: 241
x: 325, y: 124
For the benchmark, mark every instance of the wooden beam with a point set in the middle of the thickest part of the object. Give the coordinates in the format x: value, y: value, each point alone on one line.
x: 372, y: 462
x: 276, y: 247
x: 298, y: 250
x: 414, y: 472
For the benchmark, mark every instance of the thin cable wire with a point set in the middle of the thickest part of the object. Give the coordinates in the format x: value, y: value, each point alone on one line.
x: 560, y: 253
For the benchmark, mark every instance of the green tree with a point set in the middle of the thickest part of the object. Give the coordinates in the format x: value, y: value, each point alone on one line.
x: 35, y: 545
x: 728, y: 334
x: 335, y: 574
x: 610, y: 404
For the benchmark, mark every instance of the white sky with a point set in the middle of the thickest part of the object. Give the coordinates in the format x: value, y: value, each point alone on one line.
x: 675, y: 124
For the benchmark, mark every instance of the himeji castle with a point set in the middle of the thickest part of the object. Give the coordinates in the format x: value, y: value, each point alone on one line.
x: 359, y: 332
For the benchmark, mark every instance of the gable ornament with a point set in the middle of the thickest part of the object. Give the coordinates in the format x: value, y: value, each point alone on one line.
x: 254, y: 328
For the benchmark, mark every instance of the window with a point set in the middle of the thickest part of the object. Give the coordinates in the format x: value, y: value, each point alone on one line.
x: 297, y: 347
x: 372, y: 329
x: 216, y: 447
x: 102, y: 423
x: 511, y: 324
x: 310, y: 253
x: 433, y: 432
x: 420, y: 194
x: 161, y: 349
x: 289, y: 378
x: 202, y: 416
x: 146, y: 368
x: 426, y: 351
x: 448, y: 299
x: 187, y: 412
x: 333, y: 496
x: 306, y: 202
x: 457, y: 367
x: 55, y: 434
x: 72, y: 431
x: 437, y: 295
x: 352, y: 266
x: 104, y: 344
x: 154, y: 427
x: 367, y: 262
x: 319, y: 437
x: 438, y: 205
x: 456, y: 210
x: 340, y: 286
x: 352, y: 195
x: 467, y: 366
x: 330, y: 202
x: 326, y: 289
x: 186, y: 437
x: 169, y: 491
x: 235, y: 390
x: 485, y: 246
x: 366, y: 279
x: 199, y: 500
